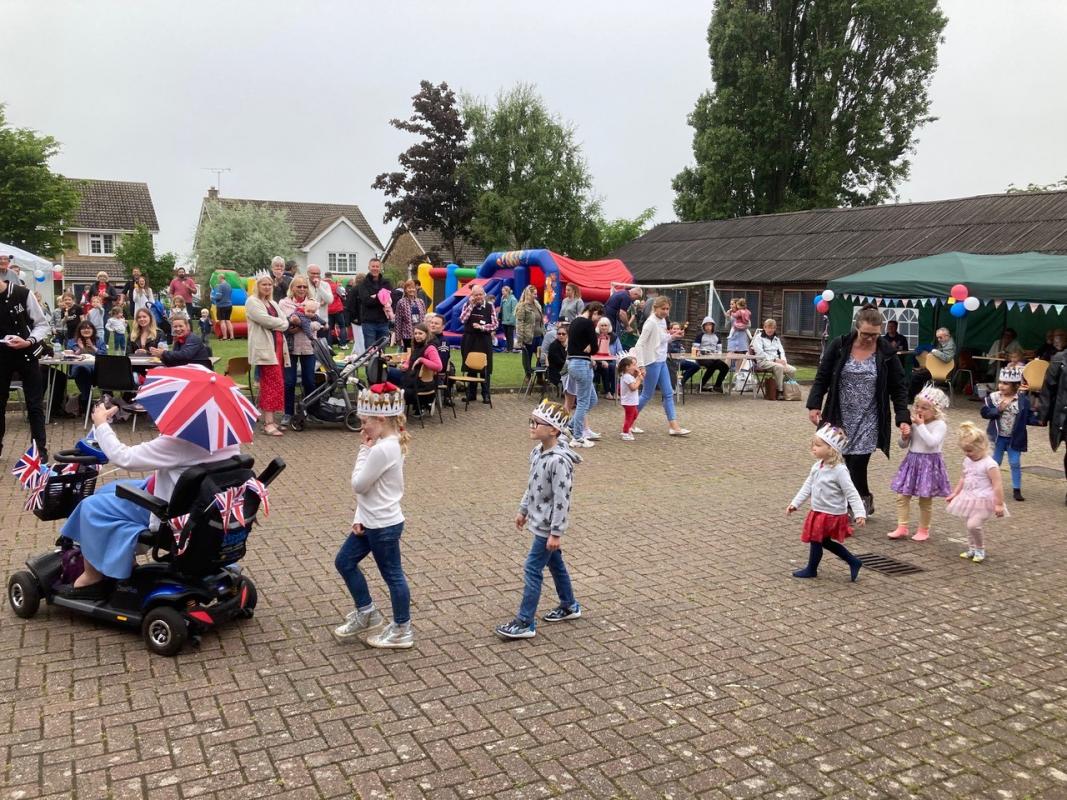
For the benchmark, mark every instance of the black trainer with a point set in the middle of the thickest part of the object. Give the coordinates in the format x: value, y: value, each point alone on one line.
x: 562, y: 612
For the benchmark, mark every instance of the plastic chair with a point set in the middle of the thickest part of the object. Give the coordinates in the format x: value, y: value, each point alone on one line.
x: 113, y: 375
x: 238, y: 368
x: 474, y: 362
x: 940, y: 373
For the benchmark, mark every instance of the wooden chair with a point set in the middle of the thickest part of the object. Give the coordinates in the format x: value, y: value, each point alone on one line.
x: 427, y: 375
x: 474, y: 362
x: 239, y: 370
x: 1034, y: 374
x: 540, y: 369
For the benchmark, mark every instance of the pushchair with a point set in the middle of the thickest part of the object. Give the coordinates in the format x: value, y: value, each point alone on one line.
x: 332, y: 401
x: 193, y: 582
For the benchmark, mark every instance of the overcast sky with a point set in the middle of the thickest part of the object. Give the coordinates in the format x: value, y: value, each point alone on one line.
x: 295, y: 98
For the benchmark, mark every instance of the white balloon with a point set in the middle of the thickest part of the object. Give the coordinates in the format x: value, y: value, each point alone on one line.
x: 828, y: 295
x: 972, y: 303
x: 38, y: 274
x: 57, y: 267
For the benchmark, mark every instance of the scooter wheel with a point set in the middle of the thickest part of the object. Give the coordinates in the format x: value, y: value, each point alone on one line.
x: 23, y: 594
x: 353, y: 422
x: 297, y: 423
x: 251, y: 598
x: 164, y: 631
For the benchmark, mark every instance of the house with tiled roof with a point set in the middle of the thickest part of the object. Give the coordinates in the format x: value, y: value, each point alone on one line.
x: 107, y: 211
x: 335, y: 236
x: 407, y: 246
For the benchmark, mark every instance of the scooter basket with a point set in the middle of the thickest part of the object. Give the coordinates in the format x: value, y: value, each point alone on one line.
x: 63, y: 492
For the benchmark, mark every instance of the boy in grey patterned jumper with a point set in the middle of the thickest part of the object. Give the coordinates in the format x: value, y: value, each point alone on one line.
x: 544, y: 510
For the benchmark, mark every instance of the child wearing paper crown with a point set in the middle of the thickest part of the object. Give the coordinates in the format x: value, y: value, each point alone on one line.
x: 544, y: 509
x: 1009, y: 412
x: 832, y: 495
x: 922, y: 473
x: 378, y: 483
x: 979, y: 494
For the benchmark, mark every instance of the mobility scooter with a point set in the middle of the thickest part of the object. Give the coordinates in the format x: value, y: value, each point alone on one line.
x: 193, y: 582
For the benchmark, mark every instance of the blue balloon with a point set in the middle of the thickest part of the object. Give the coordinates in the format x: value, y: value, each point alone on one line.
x: 817, y: 300
x: 238, y: 297
x: 957, y: 309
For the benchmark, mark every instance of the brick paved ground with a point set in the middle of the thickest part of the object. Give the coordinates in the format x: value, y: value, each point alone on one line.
x: 701, y: 668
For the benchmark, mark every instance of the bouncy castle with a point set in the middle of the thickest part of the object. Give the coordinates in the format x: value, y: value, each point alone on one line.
x: 548, y: 271
x: 242, y: 288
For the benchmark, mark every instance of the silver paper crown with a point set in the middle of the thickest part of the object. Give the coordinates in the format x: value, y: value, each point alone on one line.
x: 552, y: 413
x: 1011, y: 375
x: 934, y: 396
x: 835, y: 437
x: 380, y: 404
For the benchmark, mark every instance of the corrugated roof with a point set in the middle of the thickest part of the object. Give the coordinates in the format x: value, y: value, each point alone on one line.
x: 113, y: 205
x: 814, y: 246
x: 310, y: 220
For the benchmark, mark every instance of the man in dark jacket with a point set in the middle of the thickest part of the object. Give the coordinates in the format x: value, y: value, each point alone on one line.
x: 1053, y: 410
x: 373, y: 321
x: 186, y: 347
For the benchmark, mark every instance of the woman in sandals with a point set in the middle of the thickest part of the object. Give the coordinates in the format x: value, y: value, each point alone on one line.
x: 267, y: 350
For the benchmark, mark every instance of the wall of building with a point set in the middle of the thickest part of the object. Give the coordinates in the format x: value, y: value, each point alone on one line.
x: 404, y: 249
x: 341, y: 239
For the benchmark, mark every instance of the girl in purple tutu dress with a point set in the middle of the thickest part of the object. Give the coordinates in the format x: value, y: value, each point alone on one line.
x: 832, y: 493
x: 980, y: 493
x: 922, y: 473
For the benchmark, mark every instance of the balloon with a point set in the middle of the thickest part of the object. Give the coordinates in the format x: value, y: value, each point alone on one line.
x: 959, y: 291
x: 822, y: 307
x: 57, y: 267
x: 958, y: 310
x: 828, y: 295
x: 951, y: 300
x: 39, y: 275
x: 972, y: 303
x: 817, y: 299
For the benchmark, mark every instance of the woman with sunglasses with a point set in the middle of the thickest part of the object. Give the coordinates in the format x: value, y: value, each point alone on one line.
x: 858, y: 377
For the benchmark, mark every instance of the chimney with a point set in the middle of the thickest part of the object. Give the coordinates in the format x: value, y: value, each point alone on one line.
x: 212, y: 193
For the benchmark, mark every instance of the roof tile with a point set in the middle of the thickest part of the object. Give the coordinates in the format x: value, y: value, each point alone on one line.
x: 113, y: 205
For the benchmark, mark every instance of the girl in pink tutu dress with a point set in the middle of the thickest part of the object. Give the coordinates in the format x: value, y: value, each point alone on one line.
x: 922, y: 473
x: 832, y: 495
x: 979, y: 494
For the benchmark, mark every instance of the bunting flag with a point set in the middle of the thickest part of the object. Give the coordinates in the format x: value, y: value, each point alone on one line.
x: 1033, y: 307
x: 177, y: 523
x: 1059, y: 307
x: 257, y: 486
x: 28, y: 468
x: 227, y: 501
x: 1046, y: 306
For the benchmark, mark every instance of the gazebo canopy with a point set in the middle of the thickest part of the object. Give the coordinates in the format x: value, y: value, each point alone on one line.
x: 1031, y: 277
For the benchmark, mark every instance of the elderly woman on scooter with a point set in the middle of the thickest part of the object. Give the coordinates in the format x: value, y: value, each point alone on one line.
x: 105, y: 526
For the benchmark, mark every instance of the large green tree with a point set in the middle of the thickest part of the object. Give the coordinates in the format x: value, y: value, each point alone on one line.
x: 527, y: 175
x: 614, y: 233
x: 816, y: 104
x: 34, y: 201
x: 430, y: 190
x: 138, y: 250
x: 241, y: 237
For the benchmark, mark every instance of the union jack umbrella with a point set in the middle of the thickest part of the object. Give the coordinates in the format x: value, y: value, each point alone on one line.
x: 28, y: 468
x: 198, y: 405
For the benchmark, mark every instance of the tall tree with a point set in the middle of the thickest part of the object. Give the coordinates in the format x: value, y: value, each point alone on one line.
x: 815, y: 105
x: 527, y: 175
x: 243, y: 237
x: 431, y: 192
x: 34, y: 201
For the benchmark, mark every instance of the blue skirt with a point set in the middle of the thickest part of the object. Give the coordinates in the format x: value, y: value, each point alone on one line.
x: 107, y: 528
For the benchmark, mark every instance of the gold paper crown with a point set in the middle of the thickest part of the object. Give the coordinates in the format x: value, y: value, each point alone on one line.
x: 835, y: 437
x: 387, y: 403
x: 554, y: 414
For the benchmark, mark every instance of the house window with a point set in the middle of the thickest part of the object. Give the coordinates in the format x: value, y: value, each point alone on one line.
x: 799, y: 315
x: 101, y: 244
x: 752, y: 299
x: 342, y: 262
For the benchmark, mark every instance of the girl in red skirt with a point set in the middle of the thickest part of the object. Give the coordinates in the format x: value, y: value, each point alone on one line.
x: 832, y: 495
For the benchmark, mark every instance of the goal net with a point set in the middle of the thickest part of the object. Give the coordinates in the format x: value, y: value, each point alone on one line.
x: 690, y: 302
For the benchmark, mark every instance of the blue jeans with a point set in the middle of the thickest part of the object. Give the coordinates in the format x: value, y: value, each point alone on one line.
x: 120, y: 343
x: 83, y: 376
x: 307, y: 379
x: 384, y: 545
x: 1015, y: 460
x: 373, y: 331
x: 657, y: 374
x: 533, y: 576
x: 581, y: 371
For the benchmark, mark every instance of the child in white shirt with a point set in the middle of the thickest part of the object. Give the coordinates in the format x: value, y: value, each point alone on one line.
x: 629, y: 396
x: 117, y: 325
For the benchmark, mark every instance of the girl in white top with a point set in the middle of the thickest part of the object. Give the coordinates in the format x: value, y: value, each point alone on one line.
x: 629, y: 384
x: 378, y: 483
x: 832, y: 495
x: 922, y: 473
x: 651, y: 354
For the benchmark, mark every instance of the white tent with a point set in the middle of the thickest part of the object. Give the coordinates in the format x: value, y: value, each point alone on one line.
x: 30, y: 263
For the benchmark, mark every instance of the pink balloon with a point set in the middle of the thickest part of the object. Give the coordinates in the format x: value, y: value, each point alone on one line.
x: 959, y: 292
x: 822, y: 307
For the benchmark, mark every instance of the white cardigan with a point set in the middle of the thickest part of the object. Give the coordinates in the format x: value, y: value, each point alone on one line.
x: 646, y: 351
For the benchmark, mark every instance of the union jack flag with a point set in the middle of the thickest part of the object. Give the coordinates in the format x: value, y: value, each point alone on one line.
x: 177, y: 525
x: 28, y: 468
x: 36, y: 497
x: 230, y: 503
x: 260, y: 488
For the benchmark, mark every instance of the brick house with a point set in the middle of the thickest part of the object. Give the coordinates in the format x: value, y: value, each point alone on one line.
x: 779, y: 262
x: 337, y: 237
x: 108, y: 209
x: 407, y: 247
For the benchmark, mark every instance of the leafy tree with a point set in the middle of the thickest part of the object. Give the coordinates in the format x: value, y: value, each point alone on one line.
x: 815, y: 104
x: 614, y: 233
x: 1057, y: 186
x: 34, y: 201
x: 528, y: 176
x: 430, y: 192
x: 242, y: 237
